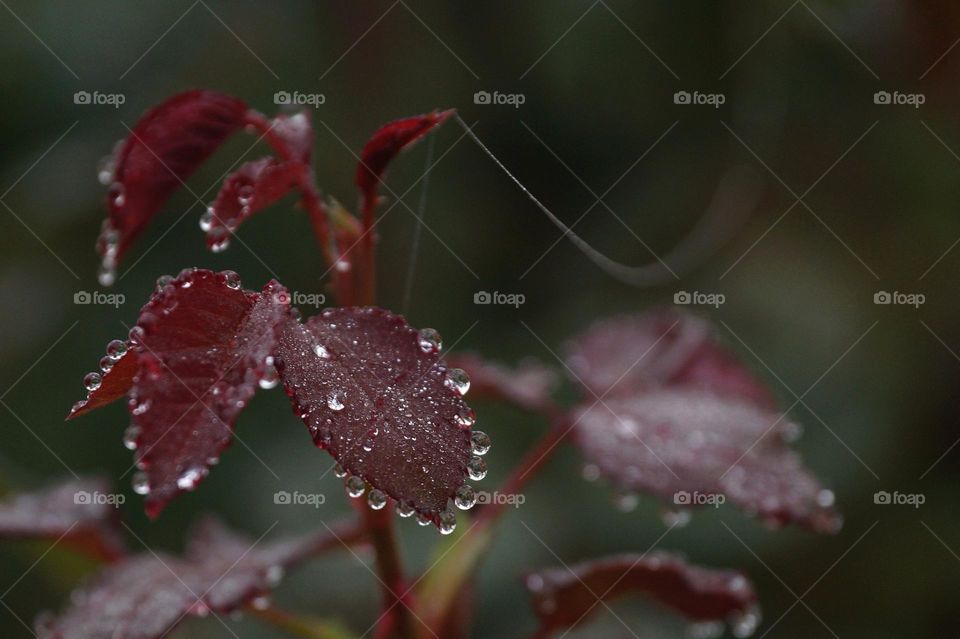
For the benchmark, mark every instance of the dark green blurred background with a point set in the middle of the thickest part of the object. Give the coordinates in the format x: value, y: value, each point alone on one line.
x: 598, y: 80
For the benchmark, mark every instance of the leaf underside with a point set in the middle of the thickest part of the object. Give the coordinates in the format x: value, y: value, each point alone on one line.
x: 562, y: 597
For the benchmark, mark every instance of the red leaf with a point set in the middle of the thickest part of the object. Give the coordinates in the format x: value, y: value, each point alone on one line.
x: 562, y: 597
x: 386, y: 143
x: 146, y: 596
x: 372, y: 391
x: 78, y: 512
x: 692, y: 448
x: 253, y: 187
x: 165, y: 147
x: 111, y: 384
x: 621, y: 356
x: 528, y: 385
x: 295, y: 131
x: 204, y: 345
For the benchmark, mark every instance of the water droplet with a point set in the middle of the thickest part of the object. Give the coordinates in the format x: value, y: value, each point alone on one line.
x: 218, y: 239
x: 320, y: 351
x: 745, y: 624
x: 368, y: 443
x: 261, y: 602
x: 590, y: 472
x: 480, y: 443
x: 476, y: 468
x: 105, y: 170
x: 458, y: 380
x: 163, y: 281
x: 136, y: 335
x: 270, y: 378
x: 130, y: 436
x: 466, y: 417
x: 679, y: 517
x: 791, y: 432
x: 423, y: 520
x: 231, y: 279
x: 335, y: 402
x: 106, y: 364
x: 190, y: 479
x: 116, y: 195
x: 106, y: 275
x: 116, y: 349
x: 92, y: 381
x: 705, y: 630
x: 274, y: 575
x: 448, y: 522
x: 339, y: 471
x: 141, y: 483
x: 355, y: 486
x: 430, y: 340
x: 465, y: 497
x: 826, y: 498
x: 140, y: 408
x: 206, y: 220
x: 404, y: 509
x: 376, y: 499
x: 627, y: 502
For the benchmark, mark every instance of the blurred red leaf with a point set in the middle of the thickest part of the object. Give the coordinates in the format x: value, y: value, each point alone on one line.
x: 678, y: 444
x: 77, y: 512
x: 624, y: 355
x: 372, y: 391
x: 204, y: 345
x: 528, y: 385
x: 386, y: 143
x: 114, y: 384
x: 147, y: 595
x: 164, y: 148
x: 251, y: 188
x: 563, y: 597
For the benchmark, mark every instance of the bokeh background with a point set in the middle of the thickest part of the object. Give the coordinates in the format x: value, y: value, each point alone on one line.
x: 880, y: 186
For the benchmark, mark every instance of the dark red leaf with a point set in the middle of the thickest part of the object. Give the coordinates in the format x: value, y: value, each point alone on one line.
x: 528, y: 385
x: 204, y: 345
x: 622, y: 356
x: 296, y: 132
x: 386, y: 143
x: 145, y: 596
x: 80, y: 512
x: 165, y: 147
x: 373, y: 392
x: 563, y: 597
x: 691, y: 447
x: 251, y: 188
x: 114, y: 382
